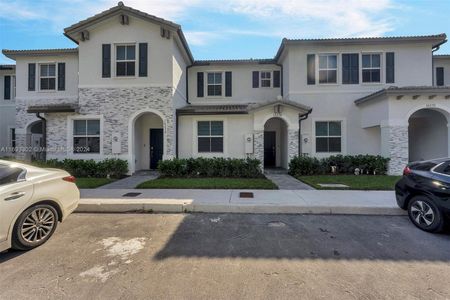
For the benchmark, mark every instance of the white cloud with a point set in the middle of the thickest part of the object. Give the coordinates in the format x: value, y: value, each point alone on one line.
x: 336, y: 17
x: 275, y: 18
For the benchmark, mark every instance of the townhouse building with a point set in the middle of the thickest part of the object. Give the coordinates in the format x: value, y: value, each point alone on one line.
x: 132, y: 89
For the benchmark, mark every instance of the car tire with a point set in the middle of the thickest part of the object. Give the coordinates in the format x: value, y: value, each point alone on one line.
x: 34, y: 227
x: 425, y: 214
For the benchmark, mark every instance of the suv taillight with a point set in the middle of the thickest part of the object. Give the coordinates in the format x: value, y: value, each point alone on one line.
x: 406, y: 171
x: 70, y: 179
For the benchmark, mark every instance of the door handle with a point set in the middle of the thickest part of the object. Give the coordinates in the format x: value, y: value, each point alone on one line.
x: 15, y: 196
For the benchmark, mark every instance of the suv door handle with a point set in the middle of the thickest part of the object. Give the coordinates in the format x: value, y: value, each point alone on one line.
x: 15, y: 196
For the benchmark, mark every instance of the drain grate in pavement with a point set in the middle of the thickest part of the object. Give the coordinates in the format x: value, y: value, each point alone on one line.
x: 131, y: 194
x: 245, y: 195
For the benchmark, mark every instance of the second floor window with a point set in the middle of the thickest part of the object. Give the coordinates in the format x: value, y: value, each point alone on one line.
x: 125, y: 60
x: 47, y: 77
x: 266, y: 79
x: 328, y: 68
x: 371, y: 68
x: 86, y: 136
x: 214, y: 84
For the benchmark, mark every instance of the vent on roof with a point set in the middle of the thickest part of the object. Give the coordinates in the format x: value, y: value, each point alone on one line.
x: 165, y: 33
x: 124, y: 20
x: 85, y: 35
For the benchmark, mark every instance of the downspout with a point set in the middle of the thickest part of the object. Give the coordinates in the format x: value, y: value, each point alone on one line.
x: 187, y: 83
x: 300, y: 119
x: 176, y: 113
x: 44, y: 134
x: 433, y: 75
x: 176, y: 134
x: 281, y: 77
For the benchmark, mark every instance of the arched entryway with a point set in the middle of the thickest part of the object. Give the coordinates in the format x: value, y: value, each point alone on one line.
x: 147, y: 141
x: 35, y: 141
x: 275, y: 143
x: 428, y: 134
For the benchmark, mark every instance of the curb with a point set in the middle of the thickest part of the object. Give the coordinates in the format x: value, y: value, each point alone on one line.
x: 180, y: 206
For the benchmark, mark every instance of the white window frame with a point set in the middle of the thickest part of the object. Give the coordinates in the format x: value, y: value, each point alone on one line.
x: 116, y: 60
x: 371, y: 68
x: 55, y: 76
x: 265, y: 79
x: 222, y: 84
x: 195, y: 137
x: 70, y: 136
x: 327, y: 68
x: 343, y: 122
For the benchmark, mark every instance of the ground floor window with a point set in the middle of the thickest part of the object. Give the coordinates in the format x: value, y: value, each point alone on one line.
x: 86, y: 136
x: 210, y: 136
x: 328, y: 136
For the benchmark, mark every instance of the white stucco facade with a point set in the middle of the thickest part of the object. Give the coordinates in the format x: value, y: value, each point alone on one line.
x: 270, y: 109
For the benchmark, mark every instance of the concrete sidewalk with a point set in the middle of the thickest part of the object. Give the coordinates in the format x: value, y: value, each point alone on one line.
x: 228, y: 201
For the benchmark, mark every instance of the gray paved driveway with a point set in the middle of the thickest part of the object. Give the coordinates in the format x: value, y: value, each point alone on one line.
x: 222, y: 256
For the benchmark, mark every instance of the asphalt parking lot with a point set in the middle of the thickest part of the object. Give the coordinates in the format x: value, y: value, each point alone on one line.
x: 226, y: 256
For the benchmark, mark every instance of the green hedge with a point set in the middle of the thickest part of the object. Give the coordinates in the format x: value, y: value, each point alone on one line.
x: 210, y: 167
x: 369, y: 164
x: 114, y: 168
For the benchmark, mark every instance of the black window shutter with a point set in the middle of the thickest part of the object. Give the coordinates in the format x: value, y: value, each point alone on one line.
x: 276, y: 79
x: 143, y: 59
x: 228, y: 84
x: 106, y: 60
x: 439, y: 76
x: 61, y: 76
x: 31, y: 77
x: 390, y: 69
x: 255, y: 79
x: 7, y: 95
x: 350, y: 68
x: 200, y: 84
x: 311, y: 68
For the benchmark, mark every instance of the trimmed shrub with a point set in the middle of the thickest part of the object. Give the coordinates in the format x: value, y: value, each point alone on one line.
x: 368, y: 164
x: 210, y: 167
x: 112, y: 167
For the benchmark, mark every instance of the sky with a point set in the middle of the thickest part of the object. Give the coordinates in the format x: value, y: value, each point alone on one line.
x: 217, y: 29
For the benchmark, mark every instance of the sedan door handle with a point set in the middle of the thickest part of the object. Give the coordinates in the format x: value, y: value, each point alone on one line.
x: 15, y: 196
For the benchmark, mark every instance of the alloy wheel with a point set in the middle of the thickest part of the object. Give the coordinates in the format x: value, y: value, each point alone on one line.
x: 38, y: 225
x: 422, y: 213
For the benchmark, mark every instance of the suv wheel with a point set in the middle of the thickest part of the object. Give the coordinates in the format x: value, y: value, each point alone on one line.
x: 425, y: 214
x: 34, y: 227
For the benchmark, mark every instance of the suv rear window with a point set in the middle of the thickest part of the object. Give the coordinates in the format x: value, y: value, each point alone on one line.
x: 425, y: 166
x: 10, y: 175
x: 443, y: 169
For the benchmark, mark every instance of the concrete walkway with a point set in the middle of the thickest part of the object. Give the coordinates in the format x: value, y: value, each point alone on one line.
x: 132, y: 181
x: 284, y: 181
x: 229, y: 201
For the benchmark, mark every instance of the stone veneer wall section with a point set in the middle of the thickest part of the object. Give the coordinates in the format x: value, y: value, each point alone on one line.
x: 293, y: 147
x: 258, y: 146
x: 117, y: 105
x: 398, y: 149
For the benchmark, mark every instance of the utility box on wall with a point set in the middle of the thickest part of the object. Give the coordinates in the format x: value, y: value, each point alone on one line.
x: 116, y: 143
x: 305, y: 144
x: 248, y: 143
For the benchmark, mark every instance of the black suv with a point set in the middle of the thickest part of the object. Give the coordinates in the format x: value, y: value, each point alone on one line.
x: 424, y: 191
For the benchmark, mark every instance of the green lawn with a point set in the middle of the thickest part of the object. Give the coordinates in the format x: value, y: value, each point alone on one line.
x: 361, y: 182
x: 209, y: 183
x: 92, y: 183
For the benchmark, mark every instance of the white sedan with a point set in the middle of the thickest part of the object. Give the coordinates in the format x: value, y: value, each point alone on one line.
x: 32, y: 202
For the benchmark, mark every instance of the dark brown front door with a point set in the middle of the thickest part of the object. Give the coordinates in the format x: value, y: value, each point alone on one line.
x: 156, y: 147
x: 270, y: 152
